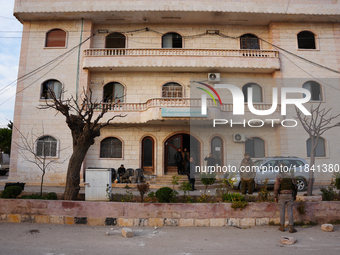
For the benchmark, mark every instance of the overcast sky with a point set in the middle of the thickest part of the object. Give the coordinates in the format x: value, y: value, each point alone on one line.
x: 10, y: 41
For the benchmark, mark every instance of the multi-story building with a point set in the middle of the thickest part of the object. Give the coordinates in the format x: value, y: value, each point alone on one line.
x: 150, y: 55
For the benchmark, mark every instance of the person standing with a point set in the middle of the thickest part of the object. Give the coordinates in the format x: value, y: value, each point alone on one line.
x: 247, y: 174
x: 210, y: 162
x: 191, y: 173
x: 121, y: 172
x: 285, y: 191
x: 186, y: 158
x: 179, y: 161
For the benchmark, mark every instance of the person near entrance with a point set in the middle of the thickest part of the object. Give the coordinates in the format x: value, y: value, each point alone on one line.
x: 179, y: 161
x: 186, y: 158
x: 247, y: 174
x: 190, y: 173
x: 121, y: 173
x: 285, y: 191
x: 210, y: 162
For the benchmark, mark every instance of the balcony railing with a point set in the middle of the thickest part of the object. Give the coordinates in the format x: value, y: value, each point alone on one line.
x: 182, y: 52
x: 174, y: 102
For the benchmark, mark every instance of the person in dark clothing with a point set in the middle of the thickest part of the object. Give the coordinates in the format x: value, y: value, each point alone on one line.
x: 179, y: 161
x: 190, y: 173
x: 121, y: 173
x: 186, y: 158
x: 210, y: 161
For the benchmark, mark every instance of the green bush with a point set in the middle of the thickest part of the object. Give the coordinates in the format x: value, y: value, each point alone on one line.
x: 50, y: 196
x: 164, y: 195
x: 337, y: 180
x: 328, y: 194
x: 232, y: 197
x: 11, y: 192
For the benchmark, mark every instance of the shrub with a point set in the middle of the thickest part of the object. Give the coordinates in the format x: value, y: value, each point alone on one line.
x: 185, y: 187
x: 151, y: 194
x: 239, y: 204
x: 207, y: 179
x: 11, y: 192
x: 50, y: 196
x: 232, y: 197
x: 164, y: 195
x: 337, y: 180
x: 301, y: 207
x: 328, y: 194
x: 143, y: 188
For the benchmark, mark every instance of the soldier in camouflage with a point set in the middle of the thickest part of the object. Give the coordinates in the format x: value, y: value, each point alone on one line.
x: 247, y: 174
x: 285, y: 190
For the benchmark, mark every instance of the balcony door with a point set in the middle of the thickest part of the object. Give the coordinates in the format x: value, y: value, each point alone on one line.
x: 173, y: 144
x: 148, y: 155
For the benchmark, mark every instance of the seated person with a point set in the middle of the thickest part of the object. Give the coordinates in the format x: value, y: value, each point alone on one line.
x: 121, y: 173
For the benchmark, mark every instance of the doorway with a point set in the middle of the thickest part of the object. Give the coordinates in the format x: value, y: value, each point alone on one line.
x: 148, y: 155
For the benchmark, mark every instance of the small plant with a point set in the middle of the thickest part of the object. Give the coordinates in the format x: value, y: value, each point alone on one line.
x: 239, y: 204
x: 232, y: 197
x: 11, y: 192
x: 336, y: 181
x: 175, y: 179
x: 272, y: 223
x: 334, y: 222
x: 143, y: 189
x: 185, y: 187
x: 126, y: 186
x: 301, y: 207
x: 151, y: 194
x: 229, y: 180
x: 164, y: 195
x: 207, y: 179
x: 328, y: 194
x: 264, y: 194
x: 203, y: 198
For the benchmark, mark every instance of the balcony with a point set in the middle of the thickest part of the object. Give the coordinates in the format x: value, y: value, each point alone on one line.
x: 179, y: 109
x: 182, y: 60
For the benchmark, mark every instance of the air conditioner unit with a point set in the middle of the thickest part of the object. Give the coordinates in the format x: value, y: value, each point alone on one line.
x: 239, y: 138
x: 214, y: 77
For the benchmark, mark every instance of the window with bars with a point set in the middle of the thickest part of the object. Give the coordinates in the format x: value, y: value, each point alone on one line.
x: 249, y: 41
x: 172, y: 89
x: 55, y: 38
x: 46, y: 147
x: 111, y: 147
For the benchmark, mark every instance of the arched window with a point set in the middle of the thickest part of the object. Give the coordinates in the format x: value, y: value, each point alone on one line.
x: 320, y: 150
x: 172, y: 89
x: 113, y: 92
x: 111, y: 147
x: 249, y: 41
x: 257, y: 92
x: 172, y: 40
x: 217, y: 149
x: 53, y: 85
x: 306, y: 40
x: 115, y: 40
x: 46, y: 147
x: 315, y: 90
x: 55, y: 38
x: 255, y: 147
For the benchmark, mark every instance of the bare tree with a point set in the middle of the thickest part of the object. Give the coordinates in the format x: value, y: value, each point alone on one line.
x: 83, y: 119
x: 316, y: 125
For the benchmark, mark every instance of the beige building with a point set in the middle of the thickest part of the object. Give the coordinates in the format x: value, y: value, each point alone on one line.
x: 144, y: 59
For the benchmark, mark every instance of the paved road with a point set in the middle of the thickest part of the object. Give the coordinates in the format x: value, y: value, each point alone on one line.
x: 50, y: 239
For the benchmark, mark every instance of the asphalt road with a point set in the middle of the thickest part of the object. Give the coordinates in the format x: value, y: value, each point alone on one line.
x: 51, y: 239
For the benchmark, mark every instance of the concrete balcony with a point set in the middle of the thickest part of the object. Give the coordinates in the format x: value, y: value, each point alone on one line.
x: 182, y: 60
x: 174, y: 110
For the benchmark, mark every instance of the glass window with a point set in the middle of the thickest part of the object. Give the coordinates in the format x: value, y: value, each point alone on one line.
x: 249, y: 41
x: 255, y: 147
x: 306, y: 40
x: 113, y: 92
x: 147, y: 152
x: 52, y: 85
x: 315, y: 90
x: 115, y: 41
x: 217, y: 150
x: 46, y: 147
x: 257, y: 92
x: 111, y: 147
x: 320, y: 150
x: 55, y: 38
x: 172, y: 40
x: 172, y: 89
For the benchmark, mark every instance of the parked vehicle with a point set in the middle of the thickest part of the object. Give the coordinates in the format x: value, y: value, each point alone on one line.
x: 4, y: 163
x: 268, y: 168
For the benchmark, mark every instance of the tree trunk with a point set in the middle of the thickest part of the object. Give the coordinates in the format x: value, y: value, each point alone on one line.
x: 42, y: 182
x: 73, y: 171
x: 311, y: 166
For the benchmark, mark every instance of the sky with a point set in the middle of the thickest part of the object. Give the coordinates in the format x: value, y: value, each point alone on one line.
x: 10, y: 42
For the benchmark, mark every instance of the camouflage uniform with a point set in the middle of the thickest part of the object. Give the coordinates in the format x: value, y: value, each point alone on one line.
x: 247, y: 175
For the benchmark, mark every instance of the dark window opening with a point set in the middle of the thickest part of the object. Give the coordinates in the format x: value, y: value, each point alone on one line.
x: 306, y: 40
x: 257, y: 92
x: 115, y: 41
x: 315, y: 90
x: 55, y: 38
x: 172, y: 40
x: 255, y: 147
x: 111, y: 147
x: 113, y: 92
x: 249, y: 42
x: 52, y: 85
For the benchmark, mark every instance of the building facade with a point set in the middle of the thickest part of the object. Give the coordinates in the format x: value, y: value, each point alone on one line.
x: 142, y: 59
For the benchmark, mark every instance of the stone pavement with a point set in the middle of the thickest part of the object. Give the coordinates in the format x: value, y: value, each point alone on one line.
x: 52, y: 239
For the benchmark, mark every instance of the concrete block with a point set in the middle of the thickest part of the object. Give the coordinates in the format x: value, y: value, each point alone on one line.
x: 125, y: 222
x: 127, y: 232
x: 95, y: 221
x: 69, y: 220
x: 27, y: 218
x: 247, y: 222
x: 261, y: 221
x: 288, y: 240
x: 3, y: 217
x: 233, y: 222
x: 186, y: 222
x: 327, y: 227
x: 16, y: 218
x: 140, y: 222
x: 202, y: 223
x: 220, y: 222
x: 60, y: 220
x: 42, y: 219
x: 156, y: 222
x: 170, y: 222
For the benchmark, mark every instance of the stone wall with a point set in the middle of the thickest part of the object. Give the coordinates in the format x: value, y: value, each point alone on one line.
x: 145, y: 214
